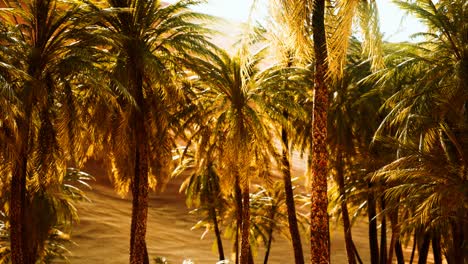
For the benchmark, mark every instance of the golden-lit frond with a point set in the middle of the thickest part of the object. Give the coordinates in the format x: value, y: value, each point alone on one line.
x: 295, y: 16
x: 372, y: 44
x: 342, y: 19
x: 341, y: 22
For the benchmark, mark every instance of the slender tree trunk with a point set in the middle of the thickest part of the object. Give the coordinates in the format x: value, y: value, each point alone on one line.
x: 395, y: 236
x: 18, y: 193
x: 344, y: 209
x: 17, y: 205
x: 458, y: 241
x: 268, y: 247
x: 292, y: 219
x: 219, y: 241
x: 436, y: 249
x: 424, y: 249
x: 238, y: 198
x: 399, y: 252
x: 251, y: 259
x: 138, y: 250
x: 371, y: 214
x: 245, y: 242
x: 319, y: 226
x: 415, y: 243
x: 383, y: 234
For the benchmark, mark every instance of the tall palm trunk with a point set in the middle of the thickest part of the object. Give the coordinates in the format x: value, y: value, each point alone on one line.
x: 138, y: 250
x: 292, y: 219
x: 238, y: 198
x: 18, y: 204
x: 399, y: 252
x: 344, y: 208
x: 271, y: 228
x: 372, y: 217
x: 423, y: 249
x: 319, y: 226
x: 219, y: 241
x: 18, y: 196
x: 245, y: 240
x: 383, y: 234
x: 395, y: 240
x: 436, y: 249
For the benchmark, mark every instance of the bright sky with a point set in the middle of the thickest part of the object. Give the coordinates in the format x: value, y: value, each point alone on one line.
x: 394, y: 24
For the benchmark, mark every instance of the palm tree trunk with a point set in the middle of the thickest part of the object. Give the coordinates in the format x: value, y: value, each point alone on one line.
x: 17, y: 205
x: 424, y: 249
x: 238, y: 198
x: 399, y: 252
x: 292, y: 219
x: 268, y: 247
x: 251, y: 259
x: 344, y: 209
x: 415, y: 240
x: 383, y: 234
x: 18, y: 236
x: 319, y: 226
x: 219, y: 241
x: 138, y: 250
x: 436, y: 249
x: 395, y: 236
x: 245, y: 241
x: 371, y: 214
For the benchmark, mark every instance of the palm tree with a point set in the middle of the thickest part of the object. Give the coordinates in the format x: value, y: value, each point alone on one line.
x: 306, y: 19
x: 233, y: 105
x: 146, y: 42
x: 203, y: 190
x: 427, y: 120
x: 42, y: 61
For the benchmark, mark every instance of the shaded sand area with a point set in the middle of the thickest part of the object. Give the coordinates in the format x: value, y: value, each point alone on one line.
x: 102, y: 235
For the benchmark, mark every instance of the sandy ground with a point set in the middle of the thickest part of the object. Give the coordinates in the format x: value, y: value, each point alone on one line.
x: 102, y: 235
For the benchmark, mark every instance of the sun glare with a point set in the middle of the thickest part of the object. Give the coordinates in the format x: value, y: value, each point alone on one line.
x: 394, y: 23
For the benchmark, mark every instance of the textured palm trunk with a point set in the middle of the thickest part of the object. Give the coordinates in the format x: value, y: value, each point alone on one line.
x: 424, y: 249
x: 238, y: 198
x: 291, y: 207
x: 245, y: 239
x: 36, y: 231
x: 436, y: 249
x: 344, y: 209
x: 18, y: 196
x: 394, y: 241
x: 399, y: 252
x: 457, y: 252
x: 371, y: 214
x: 383, y: 234
x: 319, y: 226
x: 138, y: 250
x: 17, y: 205
x: 270, y: 234
x: 219, y: 241
x: 413, y: 251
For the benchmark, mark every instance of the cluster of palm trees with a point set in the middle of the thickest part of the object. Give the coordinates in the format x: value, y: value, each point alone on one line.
x: 138, y: 84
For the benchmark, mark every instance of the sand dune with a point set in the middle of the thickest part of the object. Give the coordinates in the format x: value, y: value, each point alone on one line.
x: 102, y: 235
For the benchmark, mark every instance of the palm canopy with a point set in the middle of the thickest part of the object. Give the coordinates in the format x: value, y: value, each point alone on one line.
x: 427, y: 120
x: 233, y: 106
x: 44, y: 65
x: 148, y: 42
